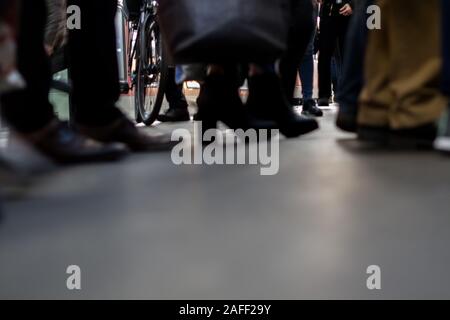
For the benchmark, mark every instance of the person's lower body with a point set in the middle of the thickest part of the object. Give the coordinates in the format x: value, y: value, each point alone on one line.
x: 94, y: 72
x: 29, y: 112
x: 302, y: 27
x: 443, y: 142
x: 306, y: 73
x: 178, y: 107
x: 352, y: 79
x: 332, y: 30
x: 269, y: 96
x: 401, y: 100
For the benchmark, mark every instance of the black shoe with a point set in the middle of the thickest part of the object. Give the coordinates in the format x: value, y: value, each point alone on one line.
x: 174, y: 115
x: 267, y: 101
x: 297, y: 102
x: 65, y: 146
x: 419, y: 138
x: 124, y: 131
x: 310, y: 109
x: 347, y: 122
x: 323, y: 102
x: 442, y: 142
x: 219, y: 100
x: 422, y: 137
x: 374, y: 135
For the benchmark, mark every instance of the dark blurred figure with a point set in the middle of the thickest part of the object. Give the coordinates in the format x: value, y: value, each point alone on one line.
x: 352, y: 79
x: 178, y: 106
x: 268, y: 105
x: 402, y: 99
x: 443, y: 142
x: 105, y: 133
x: 306, y: 72
x: 334, y: 21
x: 269, y: 98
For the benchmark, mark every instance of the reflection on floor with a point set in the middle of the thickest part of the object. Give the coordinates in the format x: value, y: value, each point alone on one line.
x: 145, y: 228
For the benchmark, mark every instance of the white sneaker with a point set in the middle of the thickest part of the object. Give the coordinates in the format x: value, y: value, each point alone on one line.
x: 442, y: 142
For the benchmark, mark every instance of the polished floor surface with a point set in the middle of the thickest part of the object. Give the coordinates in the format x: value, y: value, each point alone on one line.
x: 146, y: 228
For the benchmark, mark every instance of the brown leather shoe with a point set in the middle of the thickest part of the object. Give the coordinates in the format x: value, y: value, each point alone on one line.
x: 124, y: 131
x: 64, y: 146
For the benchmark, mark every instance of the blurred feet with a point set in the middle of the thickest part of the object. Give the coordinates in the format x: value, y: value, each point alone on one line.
x: 267, y: 101
x: 125, y: 132
x: 65, y: 146
x: 310, y: 109
x: 421, y: 138
x: 174, y: 115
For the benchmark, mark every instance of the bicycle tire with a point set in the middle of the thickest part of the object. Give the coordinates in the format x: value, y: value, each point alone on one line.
x: 152, y: 73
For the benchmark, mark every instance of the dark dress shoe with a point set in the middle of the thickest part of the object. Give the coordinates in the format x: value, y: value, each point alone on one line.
x: 417, y: 138
x: 267, y: 101
x: 310, y: 109
x: 65, y: 146
x: 219, y: 100
x: 174, y: 115
x: 124, y: 131
x: 421, y: 138
x: 297, y: 102
x: 442, y: 143
x: 374, y: 135
x: 347, y: 122
x: 323, y: 102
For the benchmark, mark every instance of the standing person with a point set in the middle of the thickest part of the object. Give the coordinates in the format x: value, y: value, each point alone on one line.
x: 178, y: 107
x: 402, y: 98
x: 104, y: 131
x: 306, y: 72
x: 443, y: 142
x: 270, y: 98
x: 352, y: 80
x: 334, y: 21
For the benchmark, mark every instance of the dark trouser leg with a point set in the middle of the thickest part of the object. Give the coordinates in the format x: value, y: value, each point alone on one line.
x: 302, y: 27
x: 29, y: 110
x: 174, y: 92
x: 93, y: 63
x: 307, y: 72
x: 327, y: 45
x: 343, y: 24
x: 446, y: 45
x: 352, y: 80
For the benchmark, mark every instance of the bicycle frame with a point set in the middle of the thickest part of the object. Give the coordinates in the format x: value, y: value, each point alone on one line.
x: 149, y: 10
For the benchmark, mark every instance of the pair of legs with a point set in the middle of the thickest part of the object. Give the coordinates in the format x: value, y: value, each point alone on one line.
x: 306, y: 72
x: 402, y: 91
x: 333, y: 31
x: 267, y: 106
x: 178, y: 106
x: 352, y: 80
x: 94, y: 72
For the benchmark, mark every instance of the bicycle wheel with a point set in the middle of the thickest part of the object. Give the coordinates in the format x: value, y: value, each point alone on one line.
x: 151, y: 73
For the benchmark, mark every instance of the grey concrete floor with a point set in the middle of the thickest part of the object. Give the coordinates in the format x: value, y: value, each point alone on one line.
x: 147, y: 229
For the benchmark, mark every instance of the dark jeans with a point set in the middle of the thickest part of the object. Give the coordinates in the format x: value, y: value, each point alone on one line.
x: 352, y: 80
x: 307, y: 72
x: 302, y: 26
x: 333, y: 31
x: 92, y: 63
x: 174, y: 92
x: 29, y: 109
x: 446, y: 45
